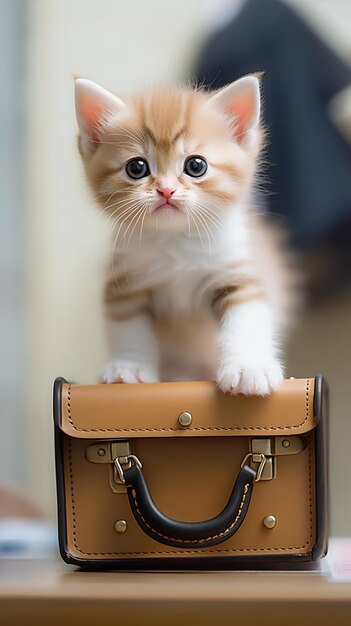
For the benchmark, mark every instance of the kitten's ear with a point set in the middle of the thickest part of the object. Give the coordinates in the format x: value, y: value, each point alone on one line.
x: 94, y: 106
x: 241, y: 102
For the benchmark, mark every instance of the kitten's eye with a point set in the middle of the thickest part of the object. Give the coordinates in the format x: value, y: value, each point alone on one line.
x: 137, y: 168
x: 195, y: 166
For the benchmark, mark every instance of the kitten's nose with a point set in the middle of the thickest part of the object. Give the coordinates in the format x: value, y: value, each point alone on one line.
x: 166, y: 192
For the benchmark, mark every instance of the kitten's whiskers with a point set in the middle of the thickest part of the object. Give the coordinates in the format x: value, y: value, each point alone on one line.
x: 135, y: 220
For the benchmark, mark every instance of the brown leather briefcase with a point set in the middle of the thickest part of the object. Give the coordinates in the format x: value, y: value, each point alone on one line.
x: 180, y: 475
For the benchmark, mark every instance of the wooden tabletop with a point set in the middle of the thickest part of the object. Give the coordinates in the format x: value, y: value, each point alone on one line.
x: 48, y: 592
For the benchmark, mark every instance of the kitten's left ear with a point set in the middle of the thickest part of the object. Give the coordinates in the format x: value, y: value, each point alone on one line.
x: 241, y: 102
x: 94, y: 106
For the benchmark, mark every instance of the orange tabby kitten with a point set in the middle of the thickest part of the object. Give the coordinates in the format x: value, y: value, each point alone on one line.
x: 189, y: 295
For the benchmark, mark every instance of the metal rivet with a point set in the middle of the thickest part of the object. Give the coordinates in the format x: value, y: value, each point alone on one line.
x: 269, y: 521
x: 101, y: 451
x: 121, y: 526
x: 285, y: 443
x: 185, y: 418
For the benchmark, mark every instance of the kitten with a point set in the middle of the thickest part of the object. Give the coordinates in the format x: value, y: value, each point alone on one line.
x: 189, y: 293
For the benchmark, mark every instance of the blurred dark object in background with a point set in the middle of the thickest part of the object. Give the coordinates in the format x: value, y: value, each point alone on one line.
x: 308, y: 171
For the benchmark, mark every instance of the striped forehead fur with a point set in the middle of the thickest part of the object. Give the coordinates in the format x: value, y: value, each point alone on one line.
x: 165, y: 114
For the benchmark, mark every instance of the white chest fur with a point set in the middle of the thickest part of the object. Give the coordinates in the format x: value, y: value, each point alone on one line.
x: 182, y: 271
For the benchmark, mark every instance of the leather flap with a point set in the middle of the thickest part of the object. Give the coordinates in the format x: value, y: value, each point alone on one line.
x: 152, y: 410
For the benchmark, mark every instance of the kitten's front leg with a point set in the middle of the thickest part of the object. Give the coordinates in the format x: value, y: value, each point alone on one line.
x: 249, y: 362
x: 134, y: 351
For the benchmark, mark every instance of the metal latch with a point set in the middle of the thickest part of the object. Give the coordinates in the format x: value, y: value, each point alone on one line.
x: 262, y: 457
x: 108, y: 452
x: 265, y: 450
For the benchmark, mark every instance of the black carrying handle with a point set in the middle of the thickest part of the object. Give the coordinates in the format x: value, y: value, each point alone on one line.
x: 189, y: 535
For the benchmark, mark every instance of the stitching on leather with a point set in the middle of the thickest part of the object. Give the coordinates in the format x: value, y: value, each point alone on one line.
x: 310, y: 488
x: 191, y: 552
x: 72, y: 492
x: 222, y: 534
x: 198, y: 429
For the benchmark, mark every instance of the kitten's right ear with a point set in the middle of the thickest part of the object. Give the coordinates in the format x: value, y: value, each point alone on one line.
x: 240, y: 101
x: 94, y: 106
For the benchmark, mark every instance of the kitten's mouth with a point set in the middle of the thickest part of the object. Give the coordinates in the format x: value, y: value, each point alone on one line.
x: 167, y: 205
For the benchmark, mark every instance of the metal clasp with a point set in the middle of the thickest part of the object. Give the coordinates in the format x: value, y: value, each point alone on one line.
x: 125, y: 460
x: 106, y: 452
x: 259, y: 458
x: 265, y: 450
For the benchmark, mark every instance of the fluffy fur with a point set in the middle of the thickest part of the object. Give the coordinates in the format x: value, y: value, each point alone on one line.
x: 189, y: 293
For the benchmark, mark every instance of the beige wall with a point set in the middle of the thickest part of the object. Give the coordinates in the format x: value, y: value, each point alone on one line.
x: 123, y: 44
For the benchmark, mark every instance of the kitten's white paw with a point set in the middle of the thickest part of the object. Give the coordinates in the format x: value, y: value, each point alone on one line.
x: 128, y: 372
x: 251, y: 379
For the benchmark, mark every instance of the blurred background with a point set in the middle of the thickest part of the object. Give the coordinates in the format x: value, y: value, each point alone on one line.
x: 54, y: 245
